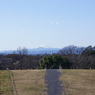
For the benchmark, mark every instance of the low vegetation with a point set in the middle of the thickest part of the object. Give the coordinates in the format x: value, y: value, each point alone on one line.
x: 5, y: 88
x: 54, y: 61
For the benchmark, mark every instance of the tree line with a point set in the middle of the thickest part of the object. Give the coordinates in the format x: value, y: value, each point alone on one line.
x: 70, y: 57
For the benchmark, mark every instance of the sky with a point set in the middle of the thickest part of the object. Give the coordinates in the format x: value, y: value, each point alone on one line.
x: 47, y: 23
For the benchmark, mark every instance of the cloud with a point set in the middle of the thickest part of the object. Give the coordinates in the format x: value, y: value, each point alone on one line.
x: 54, y: 23
x: 57, y: 23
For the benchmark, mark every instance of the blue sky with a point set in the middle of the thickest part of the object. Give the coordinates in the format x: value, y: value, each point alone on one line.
x: 53, y: 23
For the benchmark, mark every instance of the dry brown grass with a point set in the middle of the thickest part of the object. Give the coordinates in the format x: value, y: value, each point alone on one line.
x: 75, y: 82
x: 29, y: 82
x: 79, y: 82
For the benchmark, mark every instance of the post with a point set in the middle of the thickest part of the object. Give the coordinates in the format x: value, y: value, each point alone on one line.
x: 45, y: 66
x: 60, y: 67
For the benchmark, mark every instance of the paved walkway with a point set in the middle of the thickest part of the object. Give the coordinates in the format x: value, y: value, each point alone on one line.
x: 53, y: 84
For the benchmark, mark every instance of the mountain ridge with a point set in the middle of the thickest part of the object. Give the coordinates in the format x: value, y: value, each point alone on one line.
x: 34, y: 51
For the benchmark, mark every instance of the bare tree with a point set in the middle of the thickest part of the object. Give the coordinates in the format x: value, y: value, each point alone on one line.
x: 22, y: 51
x: 22, y: 54
x: 71, y: 50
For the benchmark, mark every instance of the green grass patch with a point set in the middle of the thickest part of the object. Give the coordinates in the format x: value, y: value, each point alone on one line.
x: 5, y: 83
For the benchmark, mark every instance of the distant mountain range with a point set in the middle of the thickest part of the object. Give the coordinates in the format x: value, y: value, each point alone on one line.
x: 35, y: 51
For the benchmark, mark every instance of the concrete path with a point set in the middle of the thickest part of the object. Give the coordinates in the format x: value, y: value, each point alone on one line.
x: 53, y: 84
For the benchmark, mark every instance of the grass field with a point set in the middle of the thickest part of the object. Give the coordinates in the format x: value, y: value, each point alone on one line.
x: 79, y: 82
x: 31, y: 82
x: 5, y: 88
